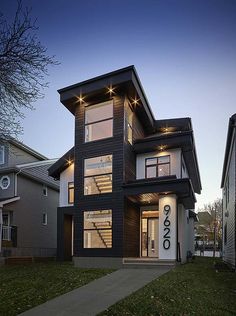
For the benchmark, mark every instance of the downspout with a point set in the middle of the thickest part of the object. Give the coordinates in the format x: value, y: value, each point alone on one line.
x: 15, y: 193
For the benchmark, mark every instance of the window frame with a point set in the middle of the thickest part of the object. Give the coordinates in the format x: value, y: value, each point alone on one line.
x: 156, y: 165
x: 2, y: 149
x: 100, y: 174
x: 69, y: 189
x: 99, y: 121
x: 91, y: 229
x: 1, y: 182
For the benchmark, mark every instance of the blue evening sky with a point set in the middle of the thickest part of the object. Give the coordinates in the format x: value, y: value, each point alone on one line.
x: 184, y: 52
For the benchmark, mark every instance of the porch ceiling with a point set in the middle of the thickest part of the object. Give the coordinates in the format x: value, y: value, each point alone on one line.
x: 144, y: 199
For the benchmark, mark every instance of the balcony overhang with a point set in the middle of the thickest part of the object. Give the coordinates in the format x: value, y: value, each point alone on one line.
x: 147, y: 191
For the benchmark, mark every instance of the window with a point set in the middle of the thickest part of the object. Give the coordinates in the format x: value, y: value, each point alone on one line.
x: 45, y: 219
x: 98, y: 229
x: 71, y: 192
x: 157, y: 167
x: 2, y: 154
x: 225, y: 234
x: 45, y: 190
x: 129, y: 118
x: 5, y: 182
x: 98, y: 175
x: 99, y: 121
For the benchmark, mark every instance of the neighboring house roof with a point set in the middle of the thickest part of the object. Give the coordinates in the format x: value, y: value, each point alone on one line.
x: 39, y: 171
x: 8, y: 200
x: 231, y: 127
x: 204, y: 217
x: 26, y: 149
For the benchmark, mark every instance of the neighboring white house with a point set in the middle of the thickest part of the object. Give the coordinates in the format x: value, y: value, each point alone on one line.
x: 228, y: 185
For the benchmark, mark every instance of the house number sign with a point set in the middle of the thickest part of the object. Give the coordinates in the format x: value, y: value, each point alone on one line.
x: 167, y: 225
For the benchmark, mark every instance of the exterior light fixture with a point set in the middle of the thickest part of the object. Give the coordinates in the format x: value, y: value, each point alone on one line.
x: 111, y: 90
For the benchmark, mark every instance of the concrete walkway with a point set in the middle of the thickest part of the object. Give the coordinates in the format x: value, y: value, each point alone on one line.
x: 99, y: 294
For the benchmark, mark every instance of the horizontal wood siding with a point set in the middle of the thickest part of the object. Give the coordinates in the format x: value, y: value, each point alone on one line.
x: 229, y: 246
x: 114, y: 200
x: 131, y: 230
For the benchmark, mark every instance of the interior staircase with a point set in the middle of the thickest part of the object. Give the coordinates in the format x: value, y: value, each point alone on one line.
x: 103, y: 183
x: 104, y: 235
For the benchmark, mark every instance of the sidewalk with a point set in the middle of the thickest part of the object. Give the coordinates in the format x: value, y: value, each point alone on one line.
x: 99, y: 294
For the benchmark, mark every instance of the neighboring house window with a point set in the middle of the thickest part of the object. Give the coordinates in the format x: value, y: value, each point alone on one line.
x: 45, y: 190
x: 157, y: 167
x: 6, y: 227
x: 45, y: 219
x: 2, y: 154
x: 98, y: 229
x: 4, y: 182
x: 70, y: 192
x: 99, y: 121
x: 225, y: 233
x: 98, y: 175
x: 227, y: 192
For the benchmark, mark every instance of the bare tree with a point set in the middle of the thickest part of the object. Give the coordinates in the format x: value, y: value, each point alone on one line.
x: 23, y: 67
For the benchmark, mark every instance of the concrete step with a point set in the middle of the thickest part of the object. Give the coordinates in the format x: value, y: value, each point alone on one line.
x: 148, y: 264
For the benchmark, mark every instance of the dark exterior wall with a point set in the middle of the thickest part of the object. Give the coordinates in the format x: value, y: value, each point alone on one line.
x: 28, y: 213
x: 131, y: 230
x: 10, y: 191
x: 129, y: 154
x: 114, y: 200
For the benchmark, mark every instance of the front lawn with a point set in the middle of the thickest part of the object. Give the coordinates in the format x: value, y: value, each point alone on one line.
x: 23, y: 287
x: 190, y: 289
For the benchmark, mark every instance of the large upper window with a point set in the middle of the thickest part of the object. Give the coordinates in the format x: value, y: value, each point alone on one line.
x: 98, y: 229
x: 98, y: 175
x: 157, y: 167
x: 2, y: 155
x: 99, y: 121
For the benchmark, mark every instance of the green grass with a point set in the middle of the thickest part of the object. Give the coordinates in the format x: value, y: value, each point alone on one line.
x: 23, y: 287
x: 190, y: 289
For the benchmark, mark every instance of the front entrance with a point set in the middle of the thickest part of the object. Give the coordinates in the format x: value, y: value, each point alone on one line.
x: 149, y: 234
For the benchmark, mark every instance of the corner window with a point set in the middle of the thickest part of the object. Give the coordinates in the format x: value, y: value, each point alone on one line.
x: 98, y: 229
x: 129, y: 118
x: 157, y: 167
x: 71, y: 193
x: 2, y: 154
x: 45, y: 219
x: 98, y: 175
x: 99, y: 121
x: 45, y: 190
x: 4, y: 182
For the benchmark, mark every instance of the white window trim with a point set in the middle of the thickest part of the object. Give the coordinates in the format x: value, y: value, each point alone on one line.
x: 2, y: 148
x: 46, y: 219
x: 1, y: 182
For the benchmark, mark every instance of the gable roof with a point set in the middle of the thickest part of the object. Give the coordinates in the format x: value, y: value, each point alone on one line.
x: 26, y: 148
x: 38, y: 171
x: 231, y: 127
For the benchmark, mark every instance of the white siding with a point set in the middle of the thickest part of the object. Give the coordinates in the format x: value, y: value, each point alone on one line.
x: 65, y: 177
x: 175, y: 162
x: 229, y: 246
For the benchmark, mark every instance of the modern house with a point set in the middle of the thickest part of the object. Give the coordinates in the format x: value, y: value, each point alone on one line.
x: 28, y: 202
x: 228, y: 185
x: 127, y: 187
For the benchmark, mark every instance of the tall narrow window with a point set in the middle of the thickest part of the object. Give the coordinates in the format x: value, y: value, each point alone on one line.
x: 45, y: 190
x: 129, y: 120
x: 45, y: 219
x: 98, y: 229
x: 157, y: 167
x: 71, y: 192
x: 2, y: 154
x: 99, y: 121
x: 98, y: 175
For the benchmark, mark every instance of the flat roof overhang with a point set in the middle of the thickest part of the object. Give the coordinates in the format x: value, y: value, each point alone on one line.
x: 123, y: 80
x: 146, y: 192
x: 183, y: 140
